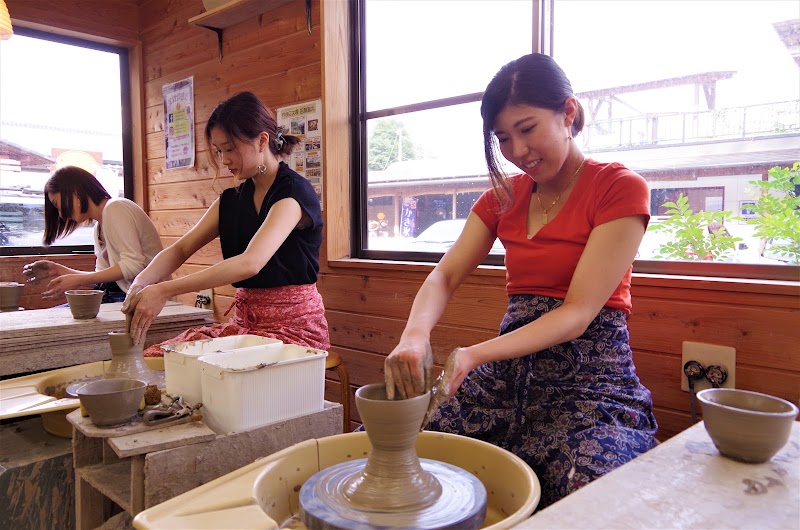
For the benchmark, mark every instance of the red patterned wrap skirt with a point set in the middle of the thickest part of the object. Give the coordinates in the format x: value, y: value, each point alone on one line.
x: 293, y: 314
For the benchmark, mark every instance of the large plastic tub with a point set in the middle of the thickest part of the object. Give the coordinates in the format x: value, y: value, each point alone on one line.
x: 253, y: 387
x: 182, y: 368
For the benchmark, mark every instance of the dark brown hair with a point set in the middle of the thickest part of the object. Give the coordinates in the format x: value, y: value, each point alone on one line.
x: 244, y: 117
x: 535, y: 80
x: 69, y: 181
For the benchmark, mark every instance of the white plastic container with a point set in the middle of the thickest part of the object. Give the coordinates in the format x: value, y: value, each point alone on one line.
x: 182, y: 368
x: 249, y: 388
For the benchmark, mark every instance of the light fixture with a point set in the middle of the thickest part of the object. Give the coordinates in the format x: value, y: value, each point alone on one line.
x: 5, y: 22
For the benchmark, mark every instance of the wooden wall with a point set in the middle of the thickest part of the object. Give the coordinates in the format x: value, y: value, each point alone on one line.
x: 271, y: 55
x: 367, y: 302
x: 11, y: 271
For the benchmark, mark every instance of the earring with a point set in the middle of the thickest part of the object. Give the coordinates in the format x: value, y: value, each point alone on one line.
x: 261, y: 167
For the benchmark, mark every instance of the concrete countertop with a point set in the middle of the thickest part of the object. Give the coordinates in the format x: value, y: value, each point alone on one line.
x: 686, y: 483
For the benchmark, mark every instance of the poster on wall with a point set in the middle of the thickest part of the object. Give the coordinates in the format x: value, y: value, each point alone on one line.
x: 179, y: 124
x: 304, y: 120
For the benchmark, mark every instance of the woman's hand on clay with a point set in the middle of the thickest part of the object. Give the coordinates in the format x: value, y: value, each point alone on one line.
x: 40, y: 270
x: 145, y: 306
x: 456, y: 368
x: 65, y: 282
x: 408, y: 370
x: 133, y: 290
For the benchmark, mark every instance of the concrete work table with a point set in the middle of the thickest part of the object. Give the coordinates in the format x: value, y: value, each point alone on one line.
x: 686, y: 483
x: 42, y: 339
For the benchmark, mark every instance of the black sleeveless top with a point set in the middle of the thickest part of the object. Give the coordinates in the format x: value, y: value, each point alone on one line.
x: 296, y: 261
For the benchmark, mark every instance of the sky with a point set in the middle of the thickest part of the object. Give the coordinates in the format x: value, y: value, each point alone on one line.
x: 454, y: 47
x: 86, y: 96
x: 428, y: 49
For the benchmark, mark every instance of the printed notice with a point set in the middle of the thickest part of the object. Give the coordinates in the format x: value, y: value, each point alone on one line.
x: 304, y: 120
x: 179, y: 124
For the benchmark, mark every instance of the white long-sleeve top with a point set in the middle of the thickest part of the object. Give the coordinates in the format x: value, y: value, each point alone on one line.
x: 125, y: 236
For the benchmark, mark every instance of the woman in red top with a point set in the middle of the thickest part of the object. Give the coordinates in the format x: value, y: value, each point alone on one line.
x: 558, y: 386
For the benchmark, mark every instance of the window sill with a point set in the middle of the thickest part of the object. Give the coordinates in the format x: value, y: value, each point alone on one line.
x: 357, y: 264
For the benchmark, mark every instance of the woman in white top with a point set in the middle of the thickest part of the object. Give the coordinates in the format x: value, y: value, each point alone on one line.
x: 125, y: 239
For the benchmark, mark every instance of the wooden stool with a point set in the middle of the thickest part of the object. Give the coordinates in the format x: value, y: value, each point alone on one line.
x: 334, y: 362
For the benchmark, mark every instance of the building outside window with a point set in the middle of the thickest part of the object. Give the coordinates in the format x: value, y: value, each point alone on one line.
x: 702, y: 99
x: 61, y: 103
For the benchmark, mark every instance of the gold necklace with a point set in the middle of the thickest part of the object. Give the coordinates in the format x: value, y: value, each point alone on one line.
x: 545, y: 211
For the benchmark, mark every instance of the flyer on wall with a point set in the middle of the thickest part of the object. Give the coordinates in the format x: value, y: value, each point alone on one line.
x: 179, y: 124
x: 304, y: 120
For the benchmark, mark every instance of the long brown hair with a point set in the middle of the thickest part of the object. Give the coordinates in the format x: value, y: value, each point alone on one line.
x: 535, y: 80
x: 69, y: 181
x: 244, y: 117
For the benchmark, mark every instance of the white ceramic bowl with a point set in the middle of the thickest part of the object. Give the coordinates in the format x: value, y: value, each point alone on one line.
x: 744, y: 425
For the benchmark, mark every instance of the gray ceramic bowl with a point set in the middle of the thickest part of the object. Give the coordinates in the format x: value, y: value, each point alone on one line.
x: 746, y: 426
x: 10, y: 295
x: 84, y: 303
x: 112, y: 402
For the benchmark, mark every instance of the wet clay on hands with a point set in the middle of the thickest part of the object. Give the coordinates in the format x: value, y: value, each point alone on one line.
x: 402, y: 382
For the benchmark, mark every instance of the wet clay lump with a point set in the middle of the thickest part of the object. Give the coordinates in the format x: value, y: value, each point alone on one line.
x: 127, y: 359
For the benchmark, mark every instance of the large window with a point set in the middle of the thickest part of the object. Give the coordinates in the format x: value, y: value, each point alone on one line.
x: 63, y: 101
x: 700, y: 98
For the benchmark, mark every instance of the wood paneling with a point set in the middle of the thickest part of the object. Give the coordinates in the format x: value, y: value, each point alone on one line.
x: 336, y: 129
x: 11, y: 271
x: 367, y: 302
x: 115, y: 22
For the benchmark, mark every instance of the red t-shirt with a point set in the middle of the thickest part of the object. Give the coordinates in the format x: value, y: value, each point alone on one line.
x: 545, y: 264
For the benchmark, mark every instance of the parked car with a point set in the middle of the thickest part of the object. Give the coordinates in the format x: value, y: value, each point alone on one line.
x: 438, y: 237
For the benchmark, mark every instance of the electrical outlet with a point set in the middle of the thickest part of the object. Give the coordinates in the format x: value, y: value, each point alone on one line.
x: 707, y: 355
x: 206, y: 294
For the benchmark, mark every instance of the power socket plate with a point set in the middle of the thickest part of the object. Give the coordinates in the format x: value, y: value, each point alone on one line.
x: 707, y: 355
x: 210, y: 294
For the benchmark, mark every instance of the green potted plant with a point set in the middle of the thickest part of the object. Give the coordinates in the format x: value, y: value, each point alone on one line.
x: 777, y: 208
x: 694, y: 235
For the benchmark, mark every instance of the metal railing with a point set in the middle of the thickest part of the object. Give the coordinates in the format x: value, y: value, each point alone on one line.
x: 770, y: 119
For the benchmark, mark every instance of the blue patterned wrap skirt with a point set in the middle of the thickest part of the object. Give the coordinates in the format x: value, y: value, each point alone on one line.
x: 573, y: 412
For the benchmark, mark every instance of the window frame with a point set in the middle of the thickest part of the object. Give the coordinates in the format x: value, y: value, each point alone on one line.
x: 543, y: 20
x: 127, y: 132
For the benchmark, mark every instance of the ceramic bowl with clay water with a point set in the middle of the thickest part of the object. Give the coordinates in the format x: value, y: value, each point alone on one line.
x: 112, y: 402
x: 744, y: 425
x: 10, y: 295
x: 84, y: 303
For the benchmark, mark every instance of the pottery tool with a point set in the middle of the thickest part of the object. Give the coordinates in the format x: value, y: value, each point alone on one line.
x: 165, y: 413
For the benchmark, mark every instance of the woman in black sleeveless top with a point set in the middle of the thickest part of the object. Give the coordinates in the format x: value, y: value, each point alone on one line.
x: 270, y: 230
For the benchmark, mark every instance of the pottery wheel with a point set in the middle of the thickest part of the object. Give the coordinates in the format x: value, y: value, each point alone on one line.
x: 462, y: 504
